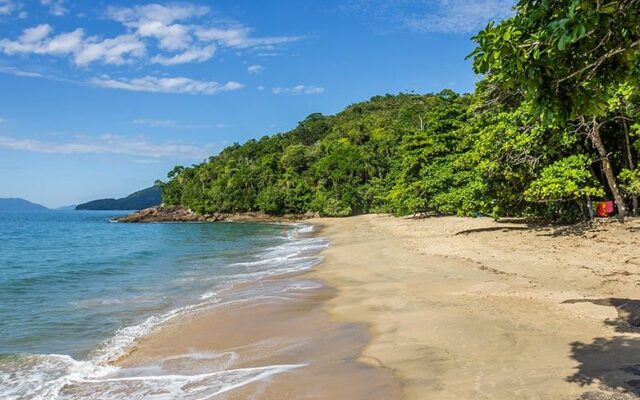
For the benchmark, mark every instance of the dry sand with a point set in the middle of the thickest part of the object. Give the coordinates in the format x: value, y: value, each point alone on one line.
x: 475, y: 309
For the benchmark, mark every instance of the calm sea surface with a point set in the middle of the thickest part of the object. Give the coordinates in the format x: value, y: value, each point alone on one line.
x: 76, y: 290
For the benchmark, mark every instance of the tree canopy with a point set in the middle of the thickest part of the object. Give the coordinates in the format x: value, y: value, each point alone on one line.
x: 570, y: 58
x: 553, y: 124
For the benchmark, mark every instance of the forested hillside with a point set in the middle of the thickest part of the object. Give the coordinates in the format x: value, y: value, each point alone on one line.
x: 553, y: 124
x: 145, y: 198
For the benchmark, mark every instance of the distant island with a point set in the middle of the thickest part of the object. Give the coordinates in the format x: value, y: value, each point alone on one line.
x: 71, y: 207
x: 145, y: 198
x: 16, y: 204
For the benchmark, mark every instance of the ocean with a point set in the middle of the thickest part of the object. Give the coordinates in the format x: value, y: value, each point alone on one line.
x: 77, y: 291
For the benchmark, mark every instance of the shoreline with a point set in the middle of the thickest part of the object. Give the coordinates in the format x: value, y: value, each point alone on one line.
x: 284, y: 340
x: 443, y: 308
x: 472, y: 308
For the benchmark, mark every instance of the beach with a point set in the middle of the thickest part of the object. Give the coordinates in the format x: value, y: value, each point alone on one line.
x: 272, y: 348
x: 436, y: 308
x: 463, y: 308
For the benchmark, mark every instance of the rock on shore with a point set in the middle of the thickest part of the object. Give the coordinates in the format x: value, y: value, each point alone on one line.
x: 180, y: 214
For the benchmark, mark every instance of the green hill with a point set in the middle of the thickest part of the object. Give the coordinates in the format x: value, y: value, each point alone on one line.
x: 146, y: 198
x: 382, y: 155
x: 554, y: 124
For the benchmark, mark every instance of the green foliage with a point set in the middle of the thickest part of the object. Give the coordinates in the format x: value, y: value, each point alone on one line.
x: 564, y: 55
x: 566, y: 179
x: 630, y: 181
x: 514, y: 147
x: 577, y: 62
x: 271, y: 200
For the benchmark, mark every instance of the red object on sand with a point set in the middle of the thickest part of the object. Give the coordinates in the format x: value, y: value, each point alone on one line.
x: 609, y: 207
x: 604, y: 208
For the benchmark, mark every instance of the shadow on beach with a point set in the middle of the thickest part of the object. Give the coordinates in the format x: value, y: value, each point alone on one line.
x: 544, y: 227
x: 612, y: 363
x: 628, y: 312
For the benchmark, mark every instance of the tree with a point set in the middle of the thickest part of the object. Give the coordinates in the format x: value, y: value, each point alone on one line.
x: 566, y: 56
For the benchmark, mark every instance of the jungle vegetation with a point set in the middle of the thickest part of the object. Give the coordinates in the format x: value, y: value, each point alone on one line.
x: 553, y: 124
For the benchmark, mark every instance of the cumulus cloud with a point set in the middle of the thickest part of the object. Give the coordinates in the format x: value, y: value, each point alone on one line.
x: 298, y: 89
x: 108, y: 144
x: 255, y: 69
x: 84, y: 50
x: 177, y: 33
x: 56, y: 7
x: 166, y: 85
x: 174, y: 29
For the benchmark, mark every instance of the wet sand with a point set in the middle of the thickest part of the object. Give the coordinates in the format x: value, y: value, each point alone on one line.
x: 464, y: 308
x: 293, y: 331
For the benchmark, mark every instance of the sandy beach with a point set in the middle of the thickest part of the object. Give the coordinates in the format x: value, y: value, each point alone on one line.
x: 437, y: 308
x: 275, y: 347
x: 475, y: 309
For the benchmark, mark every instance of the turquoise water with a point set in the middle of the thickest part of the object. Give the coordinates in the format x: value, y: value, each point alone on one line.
x: 76, y: 288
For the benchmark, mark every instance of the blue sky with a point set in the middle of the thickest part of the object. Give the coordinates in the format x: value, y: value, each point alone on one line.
x: 100, y: 98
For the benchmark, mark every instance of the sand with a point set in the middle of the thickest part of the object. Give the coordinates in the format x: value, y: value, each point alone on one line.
x: 436, y: 308
x: 293, y: 329
x: 462, y: 308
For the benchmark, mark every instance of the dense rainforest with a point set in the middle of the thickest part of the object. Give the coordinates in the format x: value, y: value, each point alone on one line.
x: 553, y: 124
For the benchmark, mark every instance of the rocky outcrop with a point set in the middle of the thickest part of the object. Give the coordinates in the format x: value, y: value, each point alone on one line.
x: 180, y: 214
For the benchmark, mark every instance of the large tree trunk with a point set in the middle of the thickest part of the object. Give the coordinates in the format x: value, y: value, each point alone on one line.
x: 630, y: 163
x: 606, y: 167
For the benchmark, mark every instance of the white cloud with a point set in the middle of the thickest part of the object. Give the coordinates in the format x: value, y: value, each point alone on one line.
x: 56, y: 7
x: 108, y: 144
x: 168, y: 123
x: 172, y: 26
x: 255, y: 69
x: 166, y: 85
x: 240, y: 37
x: 35, y: 34
x: 299, y: 89
x: 168, y: 35
x: 165, y: 14
x: 157, y: 21
x: 191, y: 55
x: 119, y: 50
x: 84, y: 50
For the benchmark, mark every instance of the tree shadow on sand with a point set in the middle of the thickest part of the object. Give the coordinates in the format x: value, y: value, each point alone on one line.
x: 628, y: 312
x: 612, y: 363
x: 540, y: 226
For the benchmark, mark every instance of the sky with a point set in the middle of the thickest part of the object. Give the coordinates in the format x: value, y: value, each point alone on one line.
x: 99, y: 99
